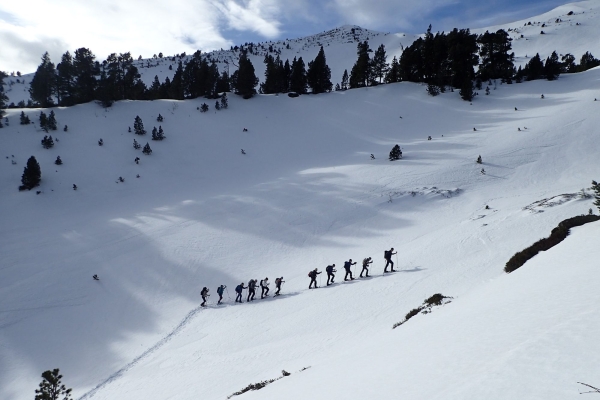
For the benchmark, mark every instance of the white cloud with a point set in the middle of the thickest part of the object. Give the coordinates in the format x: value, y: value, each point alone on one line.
x: 258, y: 16
x: 142, y: 27
x: 386, y: 13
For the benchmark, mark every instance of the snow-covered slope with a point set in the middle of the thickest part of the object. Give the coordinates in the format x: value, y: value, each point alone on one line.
x: 305, y: 194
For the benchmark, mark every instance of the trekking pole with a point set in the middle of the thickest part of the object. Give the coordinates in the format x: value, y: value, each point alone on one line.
x: 319, y: 281
x: 228, y: 294
x: 397, y: 265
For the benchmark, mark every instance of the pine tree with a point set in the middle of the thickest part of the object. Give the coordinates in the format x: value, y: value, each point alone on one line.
x: 596, y: 188
x: 466, y: 91
x: 58, y: 161
x: 534, y: 68
x: 298, y: 76
x: 244, y: 80
x: 52, y: 121
x: 344, y: 85
x: 86, y: 69
x: 361, y: 74
x: 147, y: 150
x: 136, y: 145
x: 552, y: 67
x: 396, y: 153
x: 32, y: 174
x: 270, y: 85
x: 65, y: 80
x: 47, y: 142
x: 496, y: 61
x: 43, y: 83
x: 224, y: 101
x: 24, y: 119
x: 157, y: 134
x: 3, y: 97
x: 138, y: 126
x: 217, y: 105
x: 176, y: 90
x: 588, y: 61
x: 160, y: 118
x: 393, y: 74
x: 204, y: 107
x: 43, y: 121
x: 379, y: 64
x: 154, y: 90
x: 318, y: 75
x: 51, y: 387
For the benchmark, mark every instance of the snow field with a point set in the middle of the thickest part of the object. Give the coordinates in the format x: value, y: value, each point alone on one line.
x: 305, y: 195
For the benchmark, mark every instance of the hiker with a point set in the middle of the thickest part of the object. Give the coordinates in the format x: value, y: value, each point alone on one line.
x: 204, y: 294
x: 365, y: 264
x: 278, y: 282
x: 264, y: 285
x: 388, y: 258
x: 238, y: 290
x: 313, y: 278
x: 347, y: 266
x: 220, y: 291
x: 251, y: 290
x: 330, y: 270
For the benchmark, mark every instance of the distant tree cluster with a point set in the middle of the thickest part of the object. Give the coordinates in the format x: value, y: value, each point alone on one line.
x: 3, y: 97
x: 81, y: 79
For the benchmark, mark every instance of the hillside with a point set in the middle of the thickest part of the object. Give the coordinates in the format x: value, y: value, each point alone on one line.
x: 563, y: 33
x: 307, y: 194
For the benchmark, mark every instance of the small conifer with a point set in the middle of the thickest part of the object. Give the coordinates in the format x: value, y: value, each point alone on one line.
x: 24, y: 119
x: 138, y: 126
x: 52, y: 121
x: 51, y: 387
x: 147, y: 150
x: 32, y: 175
x: 47, y: 142
x: 396, y: 153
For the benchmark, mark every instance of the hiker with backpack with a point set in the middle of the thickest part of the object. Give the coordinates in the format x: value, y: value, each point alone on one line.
x: 238, y: 290
x: 313, y: 278
x: 278, y: 282
x: 264, y: 286
x: 330, y: 270
x: 347, y: 266
x: 387, y: 255
x: 220, y: 291
x: 251, y: 290
x: 366, y: 262
x: 204, y: 294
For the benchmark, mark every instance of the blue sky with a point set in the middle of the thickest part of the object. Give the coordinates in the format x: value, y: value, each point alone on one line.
x: 146, y: 27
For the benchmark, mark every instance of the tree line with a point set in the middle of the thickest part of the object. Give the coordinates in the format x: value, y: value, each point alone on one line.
x: 442, y: 61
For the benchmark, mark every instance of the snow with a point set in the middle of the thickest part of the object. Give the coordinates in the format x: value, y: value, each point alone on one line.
x: 305, y: 195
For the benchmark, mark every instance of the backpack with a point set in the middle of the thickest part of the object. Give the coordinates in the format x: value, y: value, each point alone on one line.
x: 311, y: 274
x: 238, y: 289
x: 220, y: 291
x: 387, y: 254
x: 277, y: 281
x: 329, y: 269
